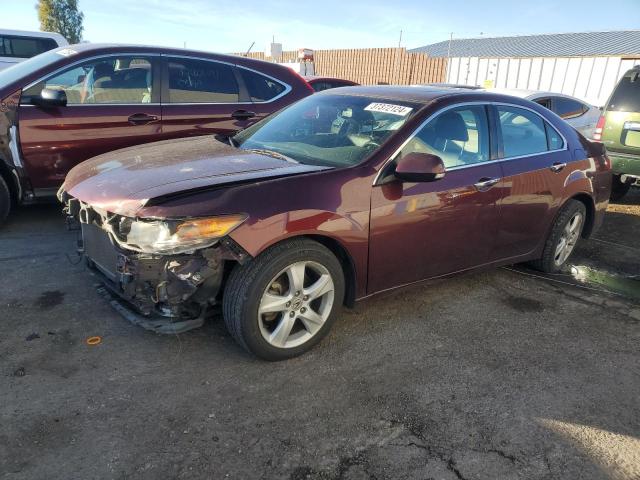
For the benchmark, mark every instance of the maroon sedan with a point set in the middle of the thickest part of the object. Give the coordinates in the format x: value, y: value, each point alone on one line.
x: 320, y: 84
x: 340, y: 196
x: 76, y: 102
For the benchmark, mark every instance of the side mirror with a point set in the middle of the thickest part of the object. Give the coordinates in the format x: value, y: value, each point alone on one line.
x: 51, y: 98
x: 420, y: 167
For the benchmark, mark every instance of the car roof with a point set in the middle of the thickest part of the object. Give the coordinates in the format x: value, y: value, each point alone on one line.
x: 107, y: 48
x: 415, y: 94
x: 313, y: 78
x: 37, y: 34
x: 519, y: 92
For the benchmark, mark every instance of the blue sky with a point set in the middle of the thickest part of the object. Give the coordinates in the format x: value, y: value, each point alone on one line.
x: 232, y: 26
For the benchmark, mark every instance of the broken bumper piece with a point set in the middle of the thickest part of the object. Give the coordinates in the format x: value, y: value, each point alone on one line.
x: 166, y: 326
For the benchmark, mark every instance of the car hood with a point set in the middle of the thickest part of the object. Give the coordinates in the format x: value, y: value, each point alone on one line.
x: 126, y: 180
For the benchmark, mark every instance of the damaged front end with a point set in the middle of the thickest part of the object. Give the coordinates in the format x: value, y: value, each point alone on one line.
x: 164, y: 275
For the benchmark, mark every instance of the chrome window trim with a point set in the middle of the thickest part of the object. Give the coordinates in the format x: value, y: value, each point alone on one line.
x: 102, y: 105
x: 462, y: 167
x: 287, y: 87
x: 77, y: 62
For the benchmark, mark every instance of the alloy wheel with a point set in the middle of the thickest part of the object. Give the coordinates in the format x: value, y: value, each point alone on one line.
x: 296, y: 304
x: 568, y: 239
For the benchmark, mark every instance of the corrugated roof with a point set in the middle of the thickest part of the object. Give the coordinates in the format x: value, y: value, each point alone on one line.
x: 583, y: 44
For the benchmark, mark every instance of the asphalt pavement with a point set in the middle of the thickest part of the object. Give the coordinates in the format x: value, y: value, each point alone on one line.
x: 504, y: 374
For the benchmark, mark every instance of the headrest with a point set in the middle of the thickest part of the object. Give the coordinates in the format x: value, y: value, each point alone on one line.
x: 450, y: 126
x: 103, y: 69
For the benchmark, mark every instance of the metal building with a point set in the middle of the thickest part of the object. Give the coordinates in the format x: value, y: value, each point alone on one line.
x: 586, y: 65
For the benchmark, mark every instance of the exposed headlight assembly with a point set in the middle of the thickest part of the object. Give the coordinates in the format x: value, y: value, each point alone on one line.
x: 172, y: 237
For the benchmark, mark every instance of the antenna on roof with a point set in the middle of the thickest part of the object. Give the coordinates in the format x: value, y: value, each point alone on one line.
x: 252, y: 44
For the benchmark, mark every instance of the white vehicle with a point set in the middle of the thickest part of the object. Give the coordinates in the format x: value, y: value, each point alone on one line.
x: 579, y: 114
x: 19, y: 45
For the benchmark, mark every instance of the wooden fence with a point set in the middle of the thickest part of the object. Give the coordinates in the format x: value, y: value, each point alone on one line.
x: 372, y: 66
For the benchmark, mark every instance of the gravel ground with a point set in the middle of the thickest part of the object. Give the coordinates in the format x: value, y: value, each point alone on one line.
x: 495, y: 375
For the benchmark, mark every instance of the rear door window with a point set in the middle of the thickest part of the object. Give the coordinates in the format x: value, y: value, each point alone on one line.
x: 25, y: 47
x: 259, y: 87
x: 568, y: 108
x: 525, y: 133
x: 201, y: 81
x: 109, y: 80
x: 626, y: 96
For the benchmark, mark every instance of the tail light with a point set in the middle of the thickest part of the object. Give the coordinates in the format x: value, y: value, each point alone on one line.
x: 597, y: 133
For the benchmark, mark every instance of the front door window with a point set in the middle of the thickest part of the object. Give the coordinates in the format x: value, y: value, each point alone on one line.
x: 459, y: 136
x: 107, y: 80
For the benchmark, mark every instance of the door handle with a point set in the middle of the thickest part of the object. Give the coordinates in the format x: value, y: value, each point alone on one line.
x: 243, y: 114
x: 485, y: 183
x: 141, y: 119
x: 556, y: 167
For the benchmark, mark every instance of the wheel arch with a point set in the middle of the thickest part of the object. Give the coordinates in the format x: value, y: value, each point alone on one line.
x: 343, y: 256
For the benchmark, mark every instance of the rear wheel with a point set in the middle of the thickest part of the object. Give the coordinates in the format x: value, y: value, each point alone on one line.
x: 618, y: 188
x: 5, y: 200
x: 563, y: 237
x: 283, y: 302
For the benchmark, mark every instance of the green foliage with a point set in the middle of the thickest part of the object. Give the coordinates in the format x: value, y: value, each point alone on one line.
x: 61, y: 16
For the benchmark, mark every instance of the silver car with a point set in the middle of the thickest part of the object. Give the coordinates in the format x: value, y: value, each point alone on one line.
x: 579, y: 114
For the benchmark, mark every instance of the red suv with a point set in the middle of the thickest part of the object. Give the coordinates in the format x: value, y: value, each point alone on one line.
x: 73, y: 103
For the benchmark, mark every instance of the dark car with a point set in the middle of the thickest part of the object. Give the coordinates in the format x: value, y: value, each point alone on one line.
x: 69, y: 104
x: 319, y: 83
x: 343, y: 195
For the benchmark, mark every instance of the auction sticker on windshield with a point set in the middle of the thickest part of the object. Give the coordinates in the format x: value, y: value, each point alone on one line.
x: 389, y: 108
x: 66, y: 52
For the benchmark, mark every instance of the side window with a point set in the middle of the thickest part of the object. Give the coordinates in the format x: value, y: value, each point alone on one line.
x: 320, y: 86
x: 109, y: 80
x: 523, y: 132
x: 545, y: 102
x: 568, y: 108
x: 554, y: 140
x: 201, y: 81
x: 24, y: 47
x: 261, y: 88
x: 460, y: 136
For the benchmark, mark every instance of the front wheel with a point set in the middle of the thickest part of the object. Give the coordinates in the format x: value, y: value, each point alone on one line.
x: 563, y: 237
x: 283, y: 302
x: 618, y: 188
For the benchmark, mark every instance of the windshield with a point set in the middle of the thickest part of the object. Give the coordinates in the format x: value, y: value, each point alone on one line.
x: 22, y: 69
x: 328, y: 130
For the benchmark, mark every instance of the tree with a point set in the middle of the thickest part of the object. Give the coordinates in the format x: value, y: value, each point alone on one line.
x: 61, y: 16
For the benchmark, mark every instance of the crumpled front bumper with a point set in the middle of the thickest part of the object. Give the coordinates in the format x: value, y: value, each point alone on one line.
x: 162, y: 293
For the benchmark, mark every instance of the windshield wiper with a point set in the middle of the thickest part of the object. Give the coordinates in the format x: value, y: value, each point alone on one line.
x: 271, y: 153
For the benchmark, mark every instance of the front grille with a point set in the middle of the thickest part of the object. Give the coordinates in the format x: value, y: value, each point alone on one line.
x: 100, y: 250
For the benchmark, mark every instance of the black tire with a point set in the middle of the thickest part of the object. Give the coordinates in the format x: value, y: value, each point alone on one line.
x: 5, y: 200
x: 247, y: 283
x: 547, y: 263
x: 618, y: 188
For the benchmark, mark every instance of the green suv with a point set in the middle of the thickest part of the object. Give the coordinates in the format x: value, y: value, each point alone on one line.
x: 619, y: 130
